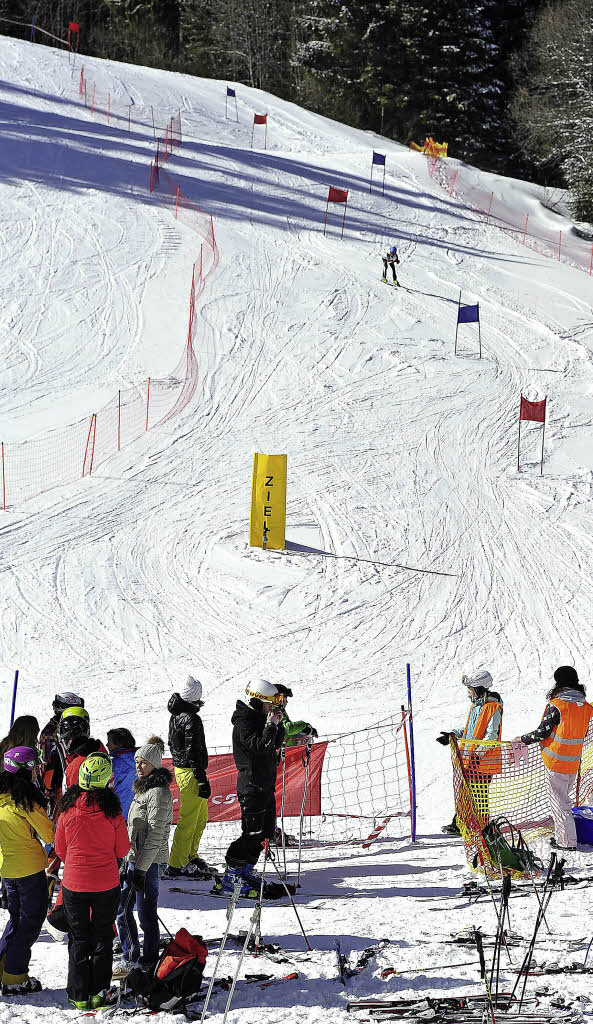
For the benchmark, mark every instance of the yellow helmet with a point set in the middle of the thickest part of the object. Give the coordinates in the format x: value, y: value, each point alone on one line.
x: 96, y: 772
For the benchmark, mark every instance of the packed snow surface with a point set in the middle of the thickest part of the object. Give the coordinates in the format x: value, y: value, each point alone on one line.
x: 399, y: 454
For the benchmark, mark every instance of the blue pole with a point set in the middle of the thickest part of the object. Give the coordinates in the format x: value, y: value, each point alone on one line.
x: 412, y: 761
x: 16, y: 682
x: 32, y: 29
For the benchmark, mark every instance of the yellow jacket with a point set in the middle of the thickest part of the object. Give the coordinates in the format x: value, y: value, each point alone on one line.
x: 21, y: 853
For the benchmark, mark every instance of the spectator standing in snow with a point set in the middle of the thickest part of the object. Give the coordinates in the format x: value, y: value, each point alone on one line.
x: 121, y: 747
x: 561, y: 735
x: 74, y: 735
x: 90, y: 837
x: 484, y: 722
x: 22, y: 865
x: 295, y: 732
x: 52, y: 771
x: 149, y: 822
x: 258, y: 735
x: 187, y: 744
x: 389, y: 260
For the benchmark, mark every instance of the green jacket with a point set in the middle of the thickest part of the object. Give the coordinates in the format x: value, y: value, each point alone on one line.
x: 293, y: 730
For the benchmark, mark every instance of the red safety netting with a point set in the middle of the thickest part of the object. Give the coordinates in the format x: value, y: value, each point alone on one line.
x: 567, y: 248
x: 64, y: 456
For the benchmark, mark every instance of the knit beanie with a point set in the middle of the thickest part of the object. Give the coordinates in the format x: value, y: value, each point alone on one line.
x: 192, y: 690
x: 152, y: 751
x: 566, y: 675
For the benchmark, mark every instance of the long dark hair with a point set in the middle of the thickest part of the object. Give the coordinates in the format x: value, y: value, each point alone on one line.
x: 22, y: 789
x: 99, y: 799
x: 23, y: 733
x: 559, y: 688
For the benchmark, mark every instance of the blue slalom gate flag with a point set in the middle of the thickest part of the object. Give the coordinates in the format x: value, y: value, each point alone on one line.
x: 378, y: 158
x: 229, y: 91
x: 468, y: 314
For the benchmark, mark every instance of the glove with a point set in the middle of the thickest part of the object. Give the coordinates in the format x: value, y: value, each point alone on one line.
x: 139, y: 880
x: 397, y: 259
x: 204, y: 788
x: 122, y: 867
x: 444, y: 738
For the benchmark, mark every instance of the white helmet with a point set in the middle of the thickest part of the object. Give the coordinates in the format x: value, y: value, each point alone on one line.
x: 261, y: 689
x: 480, y: 678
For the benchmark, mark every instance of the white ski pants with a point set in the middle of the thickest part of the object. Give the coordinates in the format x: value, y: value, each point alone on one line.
x: 560, y: 788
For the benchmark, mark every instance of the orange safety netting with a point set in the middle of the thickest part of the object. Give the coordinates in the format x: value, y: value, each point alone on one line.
x: 431, y: 147
x: 492, y: 779
x: 64, y: 456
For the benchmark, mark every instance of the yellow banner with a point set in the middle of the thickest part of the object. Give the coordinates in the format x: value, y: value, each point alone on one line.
x: 268, y: 501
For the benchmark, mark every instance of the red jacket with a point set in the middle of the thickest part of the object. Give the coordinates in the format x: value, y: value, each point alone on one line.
x: 74, y: 761
x: 89, y: 844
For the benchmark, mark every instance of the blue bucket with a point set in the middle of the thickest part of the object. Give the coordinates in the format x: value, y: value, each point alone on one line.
x: 583, y: 819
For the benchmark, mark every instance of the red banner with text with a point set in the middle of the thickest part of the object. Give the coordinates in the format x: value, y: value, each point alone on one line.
x: 223, y: 804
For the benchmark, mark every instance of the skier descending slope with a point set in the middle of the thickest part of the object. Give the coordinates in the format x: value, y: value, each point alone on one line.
x: 484, y: 722
x: 389, y: 260
x: 258, y: 734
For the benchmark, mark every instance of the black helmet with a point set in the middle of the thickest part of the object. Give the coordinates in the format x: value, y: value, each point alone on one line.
x: 74, y: 727
x: 66, y: 700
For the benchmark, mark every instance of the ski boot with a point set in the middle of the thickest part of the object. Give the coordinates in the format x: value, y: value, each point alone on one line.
x: 197, y: 868
x: 225, y: 886
x: 384, y: 279
x: 20, y: 988
x: 108, y: 997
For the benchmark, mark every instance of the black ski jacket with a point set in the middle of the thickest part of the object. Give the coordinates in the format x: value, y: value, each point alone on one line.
x: 255, y: 745
x: 187, y: 742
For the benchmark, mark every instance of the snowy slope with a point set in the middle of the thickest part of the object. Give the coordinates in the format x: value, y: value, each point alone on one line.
x: 397, y: 450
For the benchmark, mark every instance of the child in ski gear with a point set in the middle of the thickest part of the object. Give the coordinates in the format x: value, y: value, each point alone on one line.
x: 258, y: 735
x: 149, y: 822
x: 52, y: 772
x: 187, y: 744
x: 561, y: 735
x: 389, y: 260
x: 22, y: 865
x: 121, y: 747
x: 295, y: 732
x: 90, y: 837
x: 484, y: 722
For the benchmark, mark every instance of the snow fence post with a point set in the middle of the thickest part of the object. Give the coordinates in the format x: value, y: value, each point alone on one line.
x: 413, y: 763
x: 14, y: 689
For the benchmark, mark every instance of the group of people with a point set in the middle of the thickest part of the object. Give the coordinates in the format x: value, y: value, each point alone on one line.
x: 105, y: 812
x: 561, y: 735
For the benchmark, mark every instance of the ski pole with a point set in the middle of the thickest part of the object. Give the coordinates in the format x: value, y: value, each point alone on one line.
x: 306, y: 763
x: 283, y: 883
x: 229, y: 916
x: 253, y: 929
x: 480, y: 949
x: 283, y: 755
x: 257, y: 935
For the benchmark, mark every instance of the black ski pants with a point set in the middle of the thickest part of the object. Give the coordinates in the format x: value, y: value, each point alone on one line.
x: 90, y: 917
x: 389, y: 263
x: 258, y: 822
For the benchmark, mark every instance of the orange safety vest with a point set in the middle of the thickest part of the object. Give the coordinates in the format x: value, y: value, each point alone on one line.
x: 485, y: 760
x: 561, y: 751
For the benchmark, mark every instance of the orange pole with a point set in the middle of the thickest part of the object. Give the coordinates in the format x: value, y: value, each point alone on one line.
x: 93, y: 100
x: 525, y: 228
x: 93, y: 448
x: 3, y: 481
x: 108, y: 106
x: 118, y: 419
x: 87, y: 445
x: 453, y: 183
x: 559, y: 243
x: 147, y: 402
x: 177, y: 202
x: 489, y: 205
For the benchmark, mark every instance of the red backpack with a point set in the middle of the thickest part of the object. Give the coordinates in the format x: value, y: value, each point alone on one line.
x: 177, y: 977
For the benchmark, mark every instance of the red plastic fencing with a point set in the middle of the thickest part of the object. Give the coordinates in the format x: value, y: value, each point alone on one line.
x: 64, y: 456
x: 576, y: 252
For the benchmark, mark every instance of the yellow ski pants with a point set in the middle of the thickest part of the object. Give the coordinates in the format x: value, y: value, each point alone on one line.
x: 193, y: 818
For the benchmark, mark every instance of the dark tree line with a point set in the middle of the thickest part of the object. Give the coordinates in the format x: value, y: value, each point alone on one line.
x: 489, y: 77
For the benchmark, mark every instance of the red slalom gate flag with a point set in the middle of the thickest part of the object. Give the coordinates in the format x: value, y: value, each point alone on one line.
x: 337, y: 195
x: 223, y: 804
x: 260, y: 118
x: 533, y: 410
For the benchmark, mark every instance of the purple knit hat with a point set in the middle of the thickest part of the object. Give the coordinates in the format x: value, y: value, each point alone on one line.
x: 21, y: 757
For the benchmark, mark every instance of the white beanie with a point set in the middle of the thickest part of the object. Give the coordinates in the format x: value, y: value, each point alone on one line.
x: 192, y: 690
x: 152, y: 751
x: 480, y: 678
